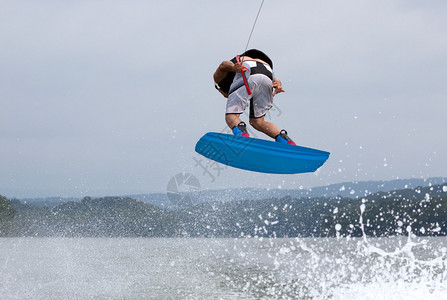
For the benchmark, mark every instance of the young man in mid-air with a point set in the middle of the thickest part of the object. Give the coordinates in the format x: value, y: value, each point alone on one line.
x: 257, y: 68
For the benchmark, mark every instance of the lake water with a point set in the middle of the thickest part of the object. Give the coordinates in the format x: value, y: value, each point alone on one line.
x: 137, y: 268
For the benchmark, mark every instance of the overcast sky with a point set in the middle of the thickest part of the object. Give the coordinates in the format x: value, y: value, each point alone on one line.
x: 109, y: 97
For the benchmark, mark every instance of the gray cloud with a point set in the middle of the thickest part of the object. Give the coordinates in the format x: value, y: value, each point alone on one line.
x: 109, y: 97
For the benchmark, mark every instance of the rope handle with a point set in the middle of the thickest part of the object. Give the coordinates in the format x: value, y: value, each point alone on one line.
x: 243, y: 74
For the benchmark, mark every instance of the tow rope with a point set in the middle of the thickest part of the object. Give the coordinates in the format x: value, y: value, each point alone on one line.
x: 246, y: 47
x: 254, y: 24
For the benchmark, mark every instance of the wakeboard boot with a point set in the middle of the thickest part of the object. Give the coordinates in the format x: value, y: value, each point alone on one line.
x: 241, y: 129
x: 283, y: 138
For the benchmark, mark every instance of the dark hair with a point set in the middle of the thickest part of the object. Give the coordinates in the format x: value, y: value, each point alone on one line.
x: 255, y: 53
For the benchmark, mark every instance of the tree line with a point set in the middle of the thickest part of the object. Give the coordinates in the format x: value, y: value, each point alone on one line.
x: 423, y: 211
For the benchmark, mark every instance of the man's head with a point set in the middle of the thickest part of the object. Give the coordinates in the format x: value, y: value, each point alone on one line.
x: 255, y: 53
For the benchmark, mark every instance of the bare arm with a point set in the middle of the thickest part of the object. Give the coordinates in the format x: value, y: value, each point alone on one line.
x: 226, y: 67
x: 277, y: 86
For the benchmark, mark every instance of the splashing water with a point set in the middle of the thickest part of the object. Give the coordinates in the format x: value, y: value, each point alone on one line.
x: 253, y: 268
x: 98, y: 268
x: 342, y: 268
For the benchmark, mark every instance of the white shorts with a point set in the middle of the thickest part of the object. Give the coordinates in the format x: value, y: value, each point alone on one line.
x: 260, y: 101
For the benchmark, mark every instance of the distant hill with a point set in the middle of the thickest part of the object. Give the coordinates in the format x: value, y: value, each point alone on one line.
x: 47, y: 201
x: 99, y: 217
x: 344, y: 189
x: 385, y: 214
x: 421, y: 210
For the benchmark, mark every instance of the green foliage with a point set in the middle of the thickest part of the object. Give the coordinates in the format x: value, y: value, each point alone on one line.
x: 102, y: 217
x: 422, y: 210
x: 385, y: 214
x: 255, y: 218
x: 7, y: 213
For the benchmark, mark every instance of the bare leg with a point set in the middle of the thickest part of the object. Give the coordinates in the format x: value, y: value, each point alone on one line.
x: 232, y: 120
x: 262, y: 125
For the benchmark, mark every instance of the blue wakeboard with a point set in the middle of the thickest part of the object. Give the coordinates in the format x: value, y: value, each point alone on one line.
x: 260, y: 155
